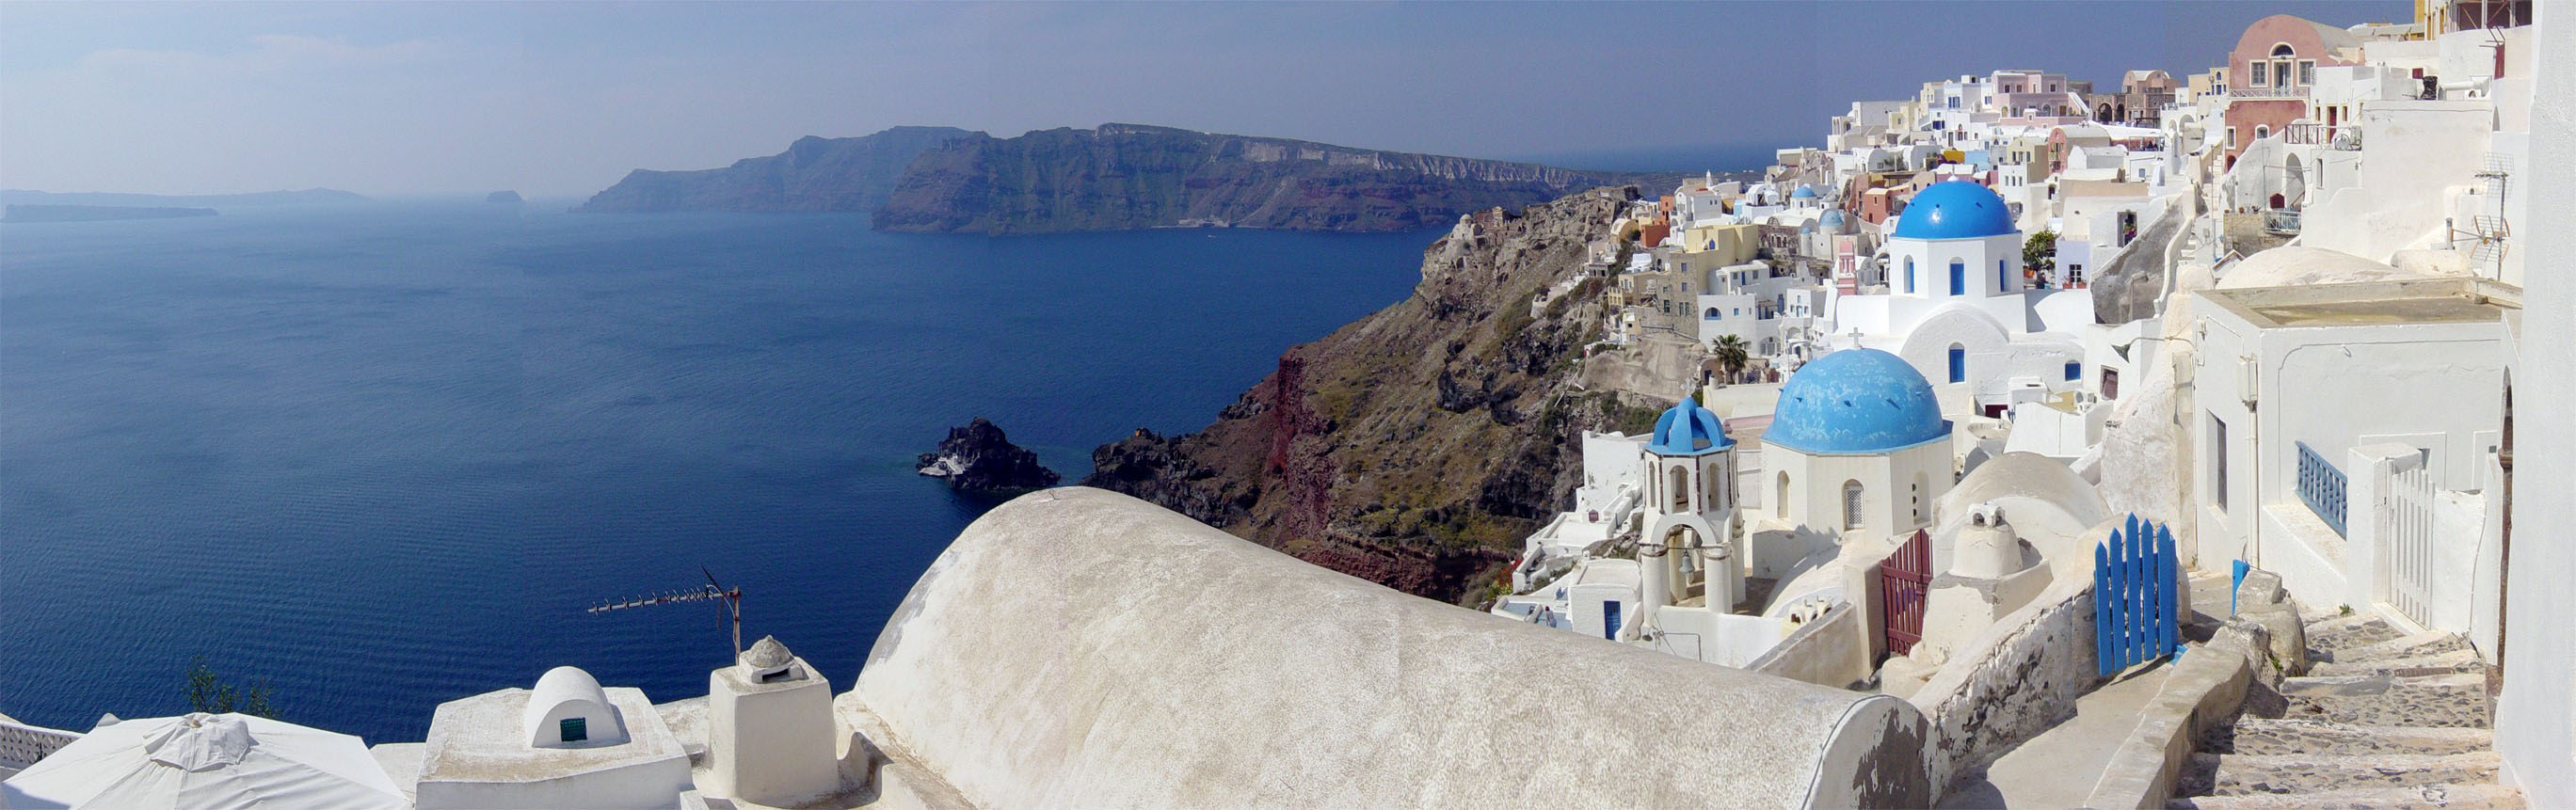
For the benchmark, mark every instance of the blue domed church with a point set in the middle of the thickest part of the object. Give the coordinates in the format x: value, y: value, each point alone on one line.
x: 1857, y: 449
x: 1956, y: 307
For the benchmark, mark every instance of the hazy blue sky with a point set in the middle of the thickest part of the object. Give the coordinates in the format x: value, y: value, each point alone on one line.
x: 558, y: 99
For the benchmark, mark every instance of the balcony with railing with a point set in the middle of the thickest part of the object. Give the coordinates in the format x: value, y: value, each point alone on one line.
x: 22, y: 745
x: 2282, y: 221
x: 2321, y: 487
x: 2267, y: 92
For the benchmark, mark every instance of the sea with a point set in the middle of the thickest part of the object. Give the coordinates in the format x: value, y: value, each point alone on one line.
x: 380, y: 456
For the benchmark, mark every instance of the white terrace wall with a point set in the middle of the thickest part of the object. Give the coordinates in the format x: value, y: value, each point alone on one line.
x: 1832, y: 650
x: 2015, y: 680
x: 2536, y: 715
x: 1080, y: 648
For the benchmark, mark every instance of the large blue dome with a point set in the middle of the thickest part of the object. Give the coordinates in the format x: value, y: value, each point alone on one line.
x: 1856, y: 401
x: 1954, y: 209
x: 1688, y: 430
x: 1804, y: 192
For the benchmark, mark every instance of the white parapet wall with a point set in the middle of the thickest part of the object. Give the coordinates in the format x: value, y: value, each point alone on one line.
x: 1080, y: 648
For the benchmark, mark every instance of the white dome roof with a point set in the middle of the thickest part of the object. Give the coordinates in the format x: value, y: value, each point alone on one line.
x: 568, y: 692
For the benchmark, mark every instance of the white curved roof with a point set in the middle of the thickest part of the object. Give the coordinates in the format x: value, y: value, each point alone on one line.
x: 2028, y: 475
x: 2293, y: 265
x: 1035, y: 664
x: 558, y: 685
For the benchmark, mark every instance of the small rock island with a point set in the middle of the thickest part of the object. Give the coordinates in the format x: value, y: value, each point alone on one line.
x: 979, y: 458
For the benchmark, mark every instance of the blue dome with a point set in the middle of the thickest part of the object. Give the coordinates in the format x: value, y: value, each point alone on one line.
x: 1954, y: 209
x: 1834, y: 218
x: 1688, y: 430
x: 1856, y: 401
x: 1804, y: 192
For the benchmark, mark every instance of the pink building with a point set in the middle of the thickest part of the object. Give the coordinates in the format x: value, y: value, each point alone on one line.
x: 2270, y: 71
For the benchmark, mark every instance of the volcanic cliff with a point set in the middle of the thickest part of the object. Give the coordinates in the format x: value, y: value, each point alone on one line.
x: 1123, y: 176
x: 1414, y: 447
x: 814, y: 174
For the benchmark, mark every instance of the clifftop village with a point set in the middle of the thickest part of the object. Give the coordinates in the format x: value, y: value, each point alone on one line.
x: 2042, y: 443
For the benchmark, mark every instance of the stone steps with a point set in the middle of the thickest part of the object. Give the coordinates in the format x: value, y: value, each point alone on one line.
x: 2307, y: 774
x: 2414, y: 646
x: 2336, y: 637
x: 2265, y: 736
x: 2444, y: 795
x: 2461, y: 660
x: 2457, y: 700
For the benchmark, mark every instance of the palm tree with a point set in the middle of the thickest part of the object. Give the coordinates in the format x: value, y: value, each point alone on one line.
x: 1731, y: 354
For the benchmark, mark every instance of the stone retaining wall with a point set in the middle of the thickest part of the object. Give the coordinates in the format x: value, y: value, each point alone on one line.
x: 2015, y: 680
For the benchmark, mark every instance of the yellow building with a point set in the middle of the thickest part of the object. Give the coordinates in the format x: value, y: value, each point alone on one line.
x: 1718, y: 245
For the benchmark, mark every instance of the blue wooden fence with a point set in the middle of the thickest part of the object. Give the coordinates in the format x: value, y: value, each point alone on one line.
x: 2321, y: 487
x: 2134, y: 577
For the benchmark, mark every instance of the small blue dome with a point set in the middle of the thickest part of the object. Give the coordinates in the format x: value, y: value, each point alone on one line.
x: 1853, y: 402
x: 1688, y: 430
x: 1804, y: 192
x: 1833, y: 217
x: 1954, y: 209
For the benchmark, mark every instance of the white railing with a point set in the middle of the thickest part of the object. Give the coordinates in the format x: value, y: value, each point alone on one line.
x: 2406, y: 542
x: 2268, y: 92
x: 21, y: 745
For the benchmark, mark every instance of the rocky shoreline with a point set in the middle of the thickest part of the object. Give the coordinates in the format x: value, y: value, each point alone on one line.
x: 978, y: 457
x: 1416, y: 446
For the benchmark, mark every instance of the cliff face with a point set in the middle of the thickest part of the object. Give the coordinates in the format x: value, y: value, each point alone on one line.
x: 814, y: 174
x: 1417, y: 446
x: 1124, y: 176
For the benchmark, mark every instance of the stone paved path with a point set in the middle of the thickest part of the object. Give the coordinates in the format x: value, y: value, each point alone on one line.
x: 2382, y: 720
x: 2057, y: 769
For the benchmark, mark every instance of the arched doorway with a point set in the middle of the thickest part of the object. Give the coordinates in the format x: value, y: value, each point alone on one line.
x: 2294, y: 181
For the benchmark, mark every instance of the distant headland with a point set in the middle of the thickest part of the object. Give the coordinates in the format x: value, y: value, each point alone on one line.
x: 93, y: 213
x: 1115, y: 177
x: 305, y: 197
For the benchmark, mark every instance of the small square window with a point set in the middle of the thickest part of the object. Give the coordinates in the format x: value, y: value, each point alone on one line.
x: 575, y: 729
x: 2074, y: 371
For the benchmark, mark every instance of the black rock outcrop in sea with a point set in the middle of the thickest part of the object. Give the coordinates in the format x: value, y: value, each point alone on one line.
x: 978, y: 457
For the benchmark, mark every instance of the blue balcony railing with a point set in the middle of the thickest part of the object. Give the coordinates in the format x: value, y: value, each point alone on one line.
x: 2321, y: 487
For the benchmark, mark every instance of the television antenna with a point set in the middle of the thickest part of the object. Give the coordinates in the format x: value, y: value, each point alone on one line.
x: 712, y: 591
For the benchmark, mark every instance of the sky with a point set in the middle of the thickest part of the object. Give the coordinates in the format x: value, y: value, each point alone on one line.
x: 562, y: 99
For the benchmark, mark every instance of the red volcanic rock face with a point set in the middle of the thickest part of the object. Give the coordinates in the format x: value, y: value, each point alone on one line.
x: 1414, y: 447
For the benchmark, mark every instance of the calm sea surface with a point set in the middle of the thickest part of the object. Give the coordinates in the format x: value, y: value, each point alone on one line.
x: 384, y: 455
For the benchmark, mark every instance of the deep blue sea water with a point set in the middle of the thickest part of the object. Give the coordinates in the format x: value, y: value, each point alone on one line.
x: 384, y: 455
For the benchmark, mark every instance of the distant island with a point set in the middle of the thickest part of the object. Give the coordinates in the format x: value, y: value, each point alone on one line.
x: 305, y: 197
x: 1115, y: 177
x: 502, y: 196
x: 95, y: 213
x: 814, y: 174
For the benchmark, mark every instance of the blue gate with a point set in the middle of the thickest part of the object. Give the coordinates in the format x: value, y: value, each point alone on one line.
x: 2134, y: 577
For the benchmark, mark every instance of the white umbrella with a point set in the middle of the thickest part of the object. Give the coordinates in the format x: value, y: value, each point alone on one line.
x: 209, y: 761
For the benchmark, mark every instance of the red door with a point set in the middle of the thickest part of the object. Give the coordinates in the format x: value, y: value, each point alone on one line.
x: 1905, y: 577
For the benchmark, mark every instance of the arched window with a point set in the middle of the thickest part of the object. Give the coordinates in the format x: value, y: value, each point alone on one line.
x: 1680, y: 489
x: 1712, y: 313
x: 1958, y: 363
x: 2003, y: 276
x: 1851, y: 505
x: 1717, y: 477
x: 1780, y: 496
x: 2262, y: 131
x: 2282, y: 49
x: 1958, y: 277
x: 1909, y: 274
